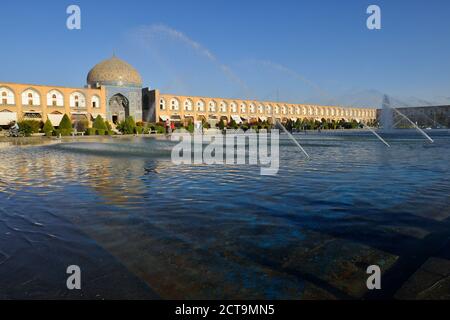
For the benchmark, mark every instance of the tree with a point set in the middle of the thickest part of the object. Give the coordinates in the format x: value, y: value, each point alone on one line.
x: 99, y: 123
x: 190, y: 127
x: 233, y: 124
x: 48, y: 128
x: 65, y: 126
x: 30, y: 126
x: 221, y: 125
x: 127, y: 126
x: 206, y: 125
x: 25, y: 128
x: 108, y: 126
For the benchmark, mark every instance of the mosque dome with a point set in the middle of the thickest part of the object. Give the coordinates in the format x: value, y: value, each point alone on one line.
x: 114, y: 72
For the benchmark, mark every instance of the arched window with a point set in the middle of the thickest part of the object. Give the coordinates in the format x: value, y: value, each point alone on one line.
x: 188, y: 105
x: 252, y: 108
x: 55, y: 98
x: 243, y: 108
x: 77, y: 100
x: 269, y: 109
x: 283, y: 110
x: 212, y: 106
x: 291, y: 110
x: 162, y: 104
x: 223, y: 107
x: 297, y: 110
x: 174, y: 104
x: 31, y: 97
x: 95, y: 102
x: 260, y: 109
x: 277, y: 109
x: 233, y: 107
x: 200, y: 106
x: 7, y: 96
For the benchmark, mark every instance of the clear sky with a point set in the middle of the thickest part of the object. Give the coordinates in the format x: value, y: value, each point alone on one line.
x: 293, y: 50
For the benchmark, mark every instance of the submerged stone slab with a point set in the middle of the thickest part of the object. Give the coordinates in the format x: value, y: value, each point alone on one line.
x: 415, y: 232
x: 342, y: 264
x: 430, y: 282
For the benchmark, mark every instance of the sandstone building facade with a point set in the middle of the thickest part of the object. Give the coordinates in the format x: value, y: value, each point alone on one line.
x: 114, y: 91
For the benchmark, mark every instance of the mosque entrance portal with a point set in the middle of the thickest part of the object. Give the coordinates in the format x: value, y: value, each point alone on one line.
x: 120, y: 109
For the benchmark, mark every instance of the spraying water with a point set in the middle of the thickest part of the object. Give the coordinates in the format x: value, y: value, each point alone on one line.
x: 415, y: 126
x: 149, y: 34
x: 387, y: 115
x: 293, y: 139
x: 323, y: 94
x: 387, y: 118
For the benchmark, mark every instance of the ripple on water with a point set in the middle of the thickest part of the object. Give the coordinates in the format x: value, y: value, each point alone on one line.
x: 204, y: 224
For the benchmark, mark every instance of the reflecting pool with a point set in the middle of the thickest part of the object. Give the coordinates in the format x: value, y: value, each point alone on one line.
x: 141, y: 227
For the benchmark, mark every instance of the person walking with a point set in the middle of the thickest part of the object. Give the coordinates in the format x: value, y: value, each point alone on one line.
x: 167, y: 126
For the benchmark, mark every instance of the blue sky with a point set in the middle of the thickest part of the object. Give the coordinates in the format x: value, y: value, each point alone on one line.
x: 302, y: 51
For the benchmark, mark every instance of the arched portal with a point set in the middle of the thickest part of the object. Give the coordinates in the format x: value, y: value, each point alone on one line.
x: 119, y: 107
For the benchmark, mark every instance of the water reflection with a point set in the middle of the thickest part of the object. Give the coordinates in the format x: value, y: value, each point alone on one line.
x: 227, y: 232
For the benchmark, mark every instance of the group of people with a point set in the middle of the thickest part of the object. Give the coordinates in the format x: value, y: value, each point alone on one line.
x: 170, y: 126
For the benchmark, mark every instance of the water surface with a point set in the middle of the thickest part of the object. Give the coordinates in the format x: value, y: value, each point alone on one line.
x: 141, y: 227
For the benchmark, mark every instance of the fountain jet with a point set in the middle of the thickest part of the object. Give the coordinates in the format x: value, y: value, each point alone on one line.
x: 387, y: 118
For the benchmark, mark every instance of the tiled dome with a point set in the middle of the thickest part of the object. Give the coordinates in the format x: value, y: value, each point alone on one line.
x: 114, y: 72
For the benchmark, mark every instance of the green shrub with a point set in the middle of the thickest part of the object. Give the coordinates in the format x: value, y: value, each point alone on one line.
x: 100, y: 132
x: 48, y: 128
x: 127, y: 126
x: 138, y: 129
x: 25, y: 128
x: 99, y: 123
x: 90, y: 131
x: 160, y: 129
x: 233, y: 125
x: 206, y: 125
x: 30, y: 126
x: 190, y: 127
x: 65, y: 127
